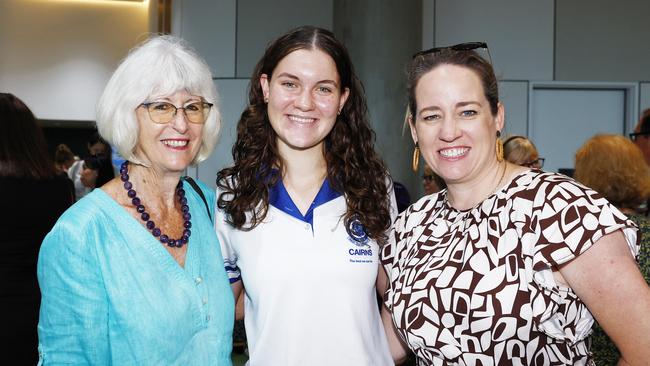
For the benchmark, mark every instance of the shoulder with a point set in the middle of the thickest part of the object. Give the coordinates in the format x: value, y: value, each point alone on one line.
x: 207, y: 191
x: 80, y: 227
x: 87, y: 212
x: 419, y: 212
x: 544, y: 189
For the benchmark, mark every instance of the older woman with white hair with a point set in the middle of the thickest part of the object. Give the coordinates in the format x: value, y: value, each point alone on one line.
x: 132, y: 274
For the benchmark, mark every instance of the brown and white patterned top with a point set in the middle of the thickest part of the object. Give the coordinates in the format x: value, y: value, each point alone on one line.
x: 475, y: 287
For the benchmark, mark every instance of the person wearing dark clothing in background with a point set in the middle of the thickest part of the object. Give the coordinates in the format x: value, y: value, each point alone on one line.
x: 402, y: 196
x: 32, y: 196
x: 97, y: 146
x: 641, y: 137
x: 96, y: 171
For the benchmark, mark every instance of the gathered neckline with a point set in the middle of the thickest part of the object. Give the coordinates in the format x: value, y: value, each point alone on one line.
x: 493, y: 195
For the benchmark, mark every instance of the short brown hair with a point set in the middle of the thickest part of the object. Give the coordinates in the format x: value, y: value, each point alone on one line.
x: 614, y: 167
x: 424, y: 63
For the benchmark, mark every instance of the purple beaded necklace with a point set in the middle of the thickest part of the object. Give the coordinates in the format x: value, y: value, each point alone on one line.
x: 155, y: 231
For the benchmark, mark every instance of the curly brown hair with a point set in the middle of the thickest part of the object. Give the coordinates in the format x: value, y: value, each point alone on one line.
x: 614, y: 167
x: 353, y: 166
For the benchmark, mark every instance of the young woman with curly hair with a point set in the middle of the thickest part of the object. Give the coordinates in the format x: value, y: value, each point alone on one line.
x: 302, y: 212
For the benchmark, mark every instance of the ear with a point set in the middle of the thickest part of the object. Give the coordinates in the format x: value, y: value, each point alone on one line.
x: 414, y: 132
x: 500, y: 118
x: 343, y: 98
x: 264, y: 83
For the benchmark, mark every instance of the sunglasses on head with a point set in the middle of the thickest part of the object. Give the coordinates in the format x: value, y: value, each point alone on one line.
x: 467, y: 46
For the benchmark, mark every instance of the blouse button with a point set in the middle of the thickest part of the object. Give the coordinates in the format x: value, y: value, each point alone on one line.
x: 205, y: 300
x: 208, y: 318
x: 198, y: 280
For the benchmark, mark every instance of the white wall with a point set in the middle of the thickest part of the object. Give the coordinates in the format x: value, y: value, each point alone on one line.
x: 57, y: 55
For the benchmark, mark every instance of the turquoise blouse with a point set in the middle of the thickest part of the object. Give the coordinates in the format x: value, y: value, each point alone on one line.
x: 112, y: 294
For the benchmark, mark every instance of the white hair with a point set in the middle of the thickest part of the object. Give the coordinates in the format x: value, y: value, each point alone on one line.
x: 160, y: 66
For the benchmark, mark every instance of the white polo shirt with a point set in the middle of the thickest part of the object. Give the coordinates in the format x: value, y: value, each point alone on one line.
x: 310, y: 286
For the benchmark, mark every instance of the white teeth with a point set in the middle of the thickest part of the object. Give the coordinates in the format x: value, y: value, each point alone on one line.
x: 175, y: 143
x: 453, y: 153
x: 298, y: 119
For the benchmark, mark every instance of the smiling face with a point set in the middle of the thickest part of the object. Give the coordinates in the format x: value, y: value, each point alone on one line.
x: 169, y: 147
x: 304, y: 97
x: 454, y: 126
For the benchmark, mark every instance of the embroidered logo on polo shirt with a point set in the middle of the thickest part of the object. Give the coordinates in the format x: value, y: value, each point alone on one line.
x: 357, y: 233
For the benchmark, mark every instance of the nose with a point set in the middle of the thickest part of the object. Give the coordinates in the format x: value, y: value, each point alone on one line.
x: 304, y: 101
x: 180, y: 123
x: 449, y: 130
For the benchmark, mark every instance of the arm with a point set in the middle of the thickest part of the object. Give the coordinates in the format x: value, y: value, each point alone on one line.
x: 229, y: 254
x: 608, y: 281
x: 73, y: 324
x: 237, y: 291
x: 397, y: 349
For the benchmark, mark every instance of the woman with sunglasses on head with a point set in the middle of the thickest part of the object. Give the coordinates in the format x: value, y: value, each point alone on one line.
x: 521, y: 151
x: 304, y: 207
x: 132, y: 274
x: 509, y: 265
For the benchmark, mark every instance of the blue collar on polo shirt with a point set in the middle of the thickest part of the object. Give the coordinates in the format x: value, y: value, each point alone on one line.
x: 280, y: 199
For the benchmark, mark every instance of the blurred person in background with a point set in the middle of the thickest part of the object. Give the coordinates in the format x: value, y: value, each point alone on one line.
x: 641, y: 135
x: 33, y: 197
x: 521, y: 151
x: 97, y: 146
x: 63, y: 158
x: 431, y: 182
x: 96, y: 171
x: 614, y: 167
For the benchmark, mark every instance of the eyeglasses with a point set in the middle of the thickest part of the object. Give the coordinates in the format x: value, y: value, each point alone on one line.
x: 468, y: 46
x: 635, y: 135
x: 164, y: 112
x: 537, y: 163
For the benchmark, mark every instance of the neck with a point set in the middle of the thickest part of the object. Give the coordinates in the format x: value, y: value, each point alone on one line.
x: 304, y: 171
x: 154, y: 186
x: 466, y: 195
x: 303, y: 165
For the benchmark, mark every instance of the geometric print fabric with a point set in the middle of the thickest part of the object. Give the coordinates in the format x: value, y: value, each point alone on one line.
x: 476, y: 287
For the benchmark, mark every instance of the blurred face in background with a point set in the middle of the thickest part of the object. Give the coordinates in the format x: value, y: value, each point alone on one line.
x: 643, y: 142
x: 429, y: 181
x: 88, y: 176
x: 99, y: 149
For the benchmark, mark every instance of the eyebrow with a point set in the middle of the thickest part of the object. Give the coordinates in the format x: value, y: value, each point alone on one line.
x: 294, y: 77
x: 457, y: 105
x: 167, y: 99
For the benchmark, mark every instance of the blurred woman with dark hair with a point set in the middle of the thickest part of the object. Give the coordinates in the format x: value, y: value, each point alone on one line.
x: 97, y: 146
x: 33, y: 197
x: 96, y: 171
